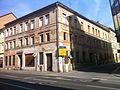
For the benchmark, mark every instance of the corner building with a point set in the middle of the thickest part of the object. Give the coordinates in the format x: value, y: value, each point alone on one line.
x: 4, y: 19
x: 32, y: 41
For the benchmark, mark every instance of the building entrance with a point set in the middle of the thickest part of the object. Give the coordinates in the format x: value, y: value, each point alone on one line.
x: 49, y: 61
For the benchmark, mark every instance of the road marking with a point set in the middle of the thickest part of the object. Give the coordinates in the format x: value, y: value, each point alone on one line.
x: 13, y: 85
x: 61, y: 78
x: 11, y: 76
x: 45, y: 80
x: 99, y: 79
x: 102, y: 87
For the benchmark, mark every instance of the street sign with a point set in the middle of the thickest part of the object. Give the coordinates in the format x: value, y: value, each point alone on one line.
x: 62, y: 51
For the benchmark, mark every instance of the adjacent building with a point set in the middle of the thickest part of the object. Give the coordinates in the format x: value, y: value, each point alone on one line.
x: 56, y: 38
x: 4, y: 19
x: 115, y: 8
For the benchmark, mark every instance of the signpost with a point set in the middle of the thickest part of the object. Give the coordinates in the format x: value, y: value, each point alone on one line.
x: 62, y: 51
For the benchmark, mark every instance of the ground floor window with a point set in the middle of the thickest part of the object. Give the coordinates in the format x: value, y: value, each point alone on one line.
x: 6, y: 60
x: 41, y: 58
x: 13, y: 60
x: 10, y: 60
x: 29, y: 60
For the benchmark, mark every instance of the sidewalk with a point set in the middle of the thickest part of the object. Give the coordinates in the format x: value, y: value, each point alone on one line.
x: 72, y: 74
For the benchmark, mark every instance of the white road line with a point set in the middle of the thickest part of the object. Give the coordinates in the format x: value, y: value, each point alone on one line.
x: 11, y: 76
x: 102, y: 87
x: 17, y: 86
x: 45, y: 80
x: 99, y: 79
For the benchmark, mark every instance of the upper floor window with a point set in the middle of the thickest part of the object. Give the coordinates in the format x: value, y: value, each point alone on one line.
x: 93, y: 30
x: 21, y: 28
x: 41, y: 21
x: 48, y: 36
x: 32, y: 24
x: 10, y: 31
x: 82, y: 26
x: 6, y: 46
x: 10, y: 44
x: 14, y: 44
x: 64, y: 36
x: 26, y: 26
x: 41, y: 38
x: 64, y: 19
x: 47, y: 19
x: 21, y: 42
x: 32, y: 40
x: 98, y: 33
x: 89, y: 28
x: 7, y: 32
x: 26, y: 41
x: 14, y: 30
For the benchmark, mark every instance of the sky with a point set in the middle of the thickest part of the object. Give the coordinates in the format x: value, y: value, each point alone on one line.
x: 97, y: 10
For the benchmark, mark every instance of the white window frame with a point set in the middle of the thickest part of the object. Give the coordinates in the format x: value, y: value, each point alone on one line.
x: 47, y: 19
x: 41, y: 21
x: 32, y: 24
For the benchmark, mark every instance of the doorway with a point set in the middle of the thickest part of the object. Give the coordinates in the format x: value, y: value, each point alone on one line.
x: 20, y: 56
x: 49, y: 61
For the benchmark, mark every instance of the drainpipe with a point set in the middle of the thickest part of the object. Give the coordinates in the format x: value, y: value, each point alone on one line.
x: 57, y: 38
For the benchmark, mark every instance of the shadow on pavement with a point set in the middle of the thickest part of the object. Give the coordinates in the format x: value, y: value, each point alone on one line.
x: 9, y: 84
x: 109, y: 69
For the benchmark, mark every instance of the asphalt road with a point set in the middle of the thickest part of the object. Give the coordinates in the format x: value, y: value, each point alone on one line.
x: 18, y: 81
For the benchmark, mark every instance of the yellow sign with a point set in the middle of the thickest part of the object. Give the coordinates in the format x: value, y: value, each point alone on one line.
x: 62, y: 51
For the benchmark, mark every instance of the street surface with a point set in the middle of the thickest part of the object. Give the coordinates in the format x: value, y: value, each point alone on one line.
x: 23, y: 80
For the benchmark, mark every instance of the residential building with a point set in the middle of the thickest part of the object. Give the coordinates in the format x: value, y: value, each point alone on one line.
x: 56, y: 38
x: 115, y: 9
x: 4, y: 19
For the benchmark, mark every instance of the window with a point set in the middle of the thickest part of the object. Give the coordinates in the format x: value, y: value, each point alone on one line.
x: 7, y: 32
x: 29, y: 60
x: 48, y: 36
x: 41, y: 38
x: 21, y: 42
x: 64, y: 20
x: 98, y: 33
x: 6, y: 60
x: 13, y: 60
x: 14, y: 30
x: 32, y: 40
x: 82, y: 26
x: 93, y: 31
x: 32, y: 24
x: 41, y: 21
x: 14, y: 44
x: 64, y: 36
x: 10, y: 44
x: 9, y: 60
x: 10, y: 31
x: 26, y: 26
x: 6, y: 45
x: 21, y: 28
x: 47, y: 19
x: 41, y: 58
x: 26, y: 41
x: 88, y: 28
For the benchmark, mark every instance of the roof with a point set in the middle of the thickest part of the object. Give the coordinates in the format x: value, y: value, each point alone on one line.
x: 63, y: 6
x: 4, y: 19
x: 8, y: 14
